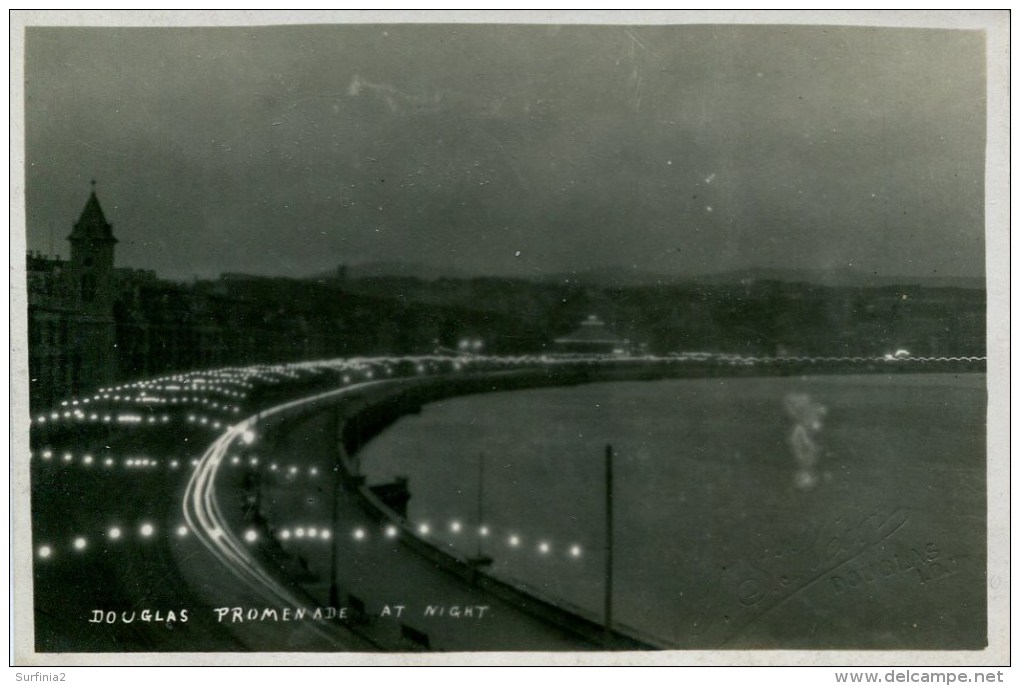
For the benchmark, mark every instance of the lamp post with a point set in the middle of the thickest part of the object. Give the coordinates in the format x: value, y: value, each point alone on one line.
x: 481, y: 484
x: 334, y: 592
x: 480, y: 559
x: 607, y: 634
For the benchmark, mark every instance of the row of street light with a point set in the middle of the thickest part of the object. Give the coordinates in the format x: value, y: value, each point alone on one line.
x: 115, y: 533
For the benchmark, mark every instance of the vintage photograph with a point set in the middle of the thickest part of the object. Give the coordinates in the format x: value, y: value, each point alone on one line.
x: 456, y: 337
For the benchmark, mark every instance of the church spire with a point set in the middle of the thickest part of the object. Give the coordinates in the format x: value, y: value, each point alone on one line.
x: 92, y: 225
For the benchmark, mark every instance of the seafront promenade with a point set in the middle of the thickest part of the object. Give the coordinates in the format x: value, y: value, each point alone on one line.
x: 233, y: 500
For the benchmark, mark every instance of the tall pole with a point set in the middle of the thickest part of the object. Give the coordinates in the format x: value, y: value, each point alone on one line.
x: 609, y: 547
x: 334, y: 592
x: 481, y: 490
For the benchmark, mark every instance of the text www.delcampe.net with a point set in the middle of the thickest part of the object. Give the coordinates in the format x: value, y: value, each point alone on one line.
x: 905, y: 676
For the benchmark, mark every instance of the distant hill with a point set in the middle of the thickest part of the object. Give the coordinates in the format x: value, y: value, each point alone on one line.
x: 611, y: 277
x: 624, y: 277
x: 846, y: 278
x: 614, y: 276
x: 413, y: 270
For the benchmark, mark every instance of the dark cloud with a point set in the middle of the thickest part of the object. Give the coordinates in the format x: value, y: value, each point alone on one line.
x: 677, y: 149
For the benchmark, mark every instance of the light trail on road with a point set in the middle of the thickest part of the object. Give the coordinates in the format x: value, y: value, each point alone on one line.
x: 203, y: 515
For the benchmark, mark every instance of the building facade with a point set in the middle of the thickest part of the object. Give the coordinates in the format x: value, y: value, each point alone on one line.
x: 71, y: 328
x: 592, y: 338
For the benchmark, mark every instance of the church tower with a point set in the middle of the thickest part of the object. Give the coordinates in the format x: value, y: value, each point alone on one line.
x: 91, y: 267
x: 92, y: 290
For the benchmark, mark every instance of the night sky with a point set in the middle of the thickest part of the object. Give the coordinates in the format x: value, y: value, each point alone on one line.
x: 512, y: 149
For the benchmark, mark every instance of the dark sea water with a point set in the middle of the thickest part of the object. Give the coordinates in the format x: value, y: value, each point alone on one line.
x: 725, y: 535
